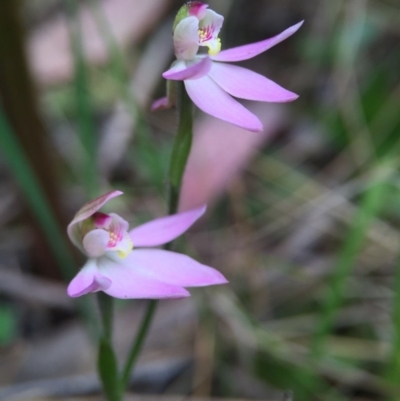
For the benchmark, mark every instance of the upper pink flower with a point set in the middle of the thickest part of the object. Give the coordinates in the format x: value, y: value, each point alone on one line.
x: 199, y: 28
x: 116, y: 267
x: 210, y: 82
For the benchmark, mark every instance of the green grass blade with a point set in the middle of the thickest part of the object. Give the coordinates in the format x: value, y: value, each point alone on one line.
x: 393, y: 365
x: 86, y: 127
x: 19, y: 165
x: 145, y: 152
x: 371, y: 205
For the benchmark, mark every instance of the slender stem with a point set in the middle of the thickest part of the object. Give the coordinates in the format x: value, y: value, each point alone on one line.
x: 106, y: 306
x: 107, y: 362
x: 179, y: 157
x: 181, y: 148
x: 137, y: 344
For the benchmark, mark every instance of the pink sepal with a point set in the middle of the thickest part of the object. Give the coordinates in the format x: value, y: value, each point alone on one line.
x: 253, y: 49
x: 181, y: 72
x: 89, y: 279
x: 246, y: 84
x: 165, y: 229
x: 213, y: 100
x: 85, y: 212
x: 174, y: 268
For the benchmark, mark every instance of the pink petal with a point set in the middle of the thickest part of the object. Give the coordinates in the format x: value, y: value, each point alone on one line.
x: 165, y: 229
x: 85, y: 212
x: 180, y: 71
x: 128, y: 282
x: 95, y: 243
x: 210, y: 98
x: 87, y: 280
x: 174, y: 268
x: 254, y: 49
x: 246, y: 84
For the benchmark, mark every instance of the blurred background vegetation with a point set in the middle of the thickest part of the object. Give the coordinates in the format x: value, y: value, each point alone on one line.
x: 303, y: 218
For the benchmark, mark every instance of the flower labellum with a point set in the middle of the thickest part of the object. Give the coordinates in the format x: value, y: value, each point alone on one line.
x: 209, y: 81
x: 118, y: 268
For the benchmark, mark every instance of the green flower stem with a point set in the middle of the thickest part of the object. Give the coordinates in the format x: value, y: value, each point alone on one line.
x: 106, y: 306
x: 107, y: 362
x: 182, y: 146
x: 179, y: 157
x: 138, y: 343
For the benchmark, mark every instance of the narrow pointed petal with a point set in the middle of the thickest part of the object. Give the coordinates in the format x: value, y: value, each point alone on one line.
x: 85, y: 212
x: 160, y: 104
x: 167, y: 101
x: 246, y: 84
x: 210, y: 98
x: 93, y: 206
x: 254, y: 49
x: 87, y: 280
x: 127, y: 282
x: 180, y: 71
x: 174, y: 268
x: 165, y: 229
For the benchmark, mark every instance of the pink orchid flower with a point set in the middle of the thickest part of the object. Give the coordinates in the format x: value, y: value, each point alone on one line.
x: 209, y: 81
x: 118, y: 268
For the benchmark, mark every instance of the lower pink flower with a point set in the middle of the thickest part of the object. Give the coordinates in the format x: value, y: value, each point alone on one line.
x: 118, y: 268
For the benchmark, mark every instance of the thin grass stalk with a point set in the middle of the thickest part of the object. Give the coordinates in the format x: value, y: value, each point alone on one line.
x: 371, y: 205
x: 86, y: 126
x: 393, y: 365
x: 118, y: 64
x: 30, y: 186
x: 119, y: 71
x: 19, y: 102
